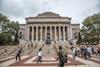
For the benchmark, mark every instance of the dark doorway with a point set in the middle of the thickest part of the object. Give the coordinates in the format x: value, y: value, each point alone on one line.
x: 48, y: 42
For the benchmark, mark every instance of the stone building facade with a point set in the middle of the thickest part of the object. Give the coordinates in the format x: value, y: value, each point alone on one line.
x: 48, y: 26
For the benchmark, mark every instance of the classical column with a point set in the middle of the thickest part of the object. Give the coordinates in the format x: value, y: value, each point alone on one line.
x: 55, y: 33
x: 69, y: 30
x: 36, y: 33
x: 64, y: 33
x: 50, y: 32
x: 41, y: 33
x: 25, y: 33
x: 28, y: 32
x: 32, y: 33
x: 45, y: 33
x: 59, y: 33
x: 68, y: 35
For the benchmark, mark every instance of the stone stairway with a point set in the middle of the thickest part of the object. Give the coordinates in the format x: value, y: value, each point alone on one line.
x: 48, y: 51
x: 29, y: 56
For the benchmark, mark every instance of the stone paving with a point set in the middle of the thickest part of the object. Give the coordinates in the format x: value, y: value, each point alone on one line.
x: 30, y: 61
x: 29, y: 57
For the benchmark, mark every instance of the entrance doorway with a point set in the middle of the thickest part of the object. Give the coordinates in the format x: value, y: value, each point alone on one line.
x: 48, y: 41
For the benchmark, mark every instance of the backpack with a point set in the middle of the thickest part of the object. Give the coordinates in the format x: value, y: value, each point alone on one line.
x: 63, y: 56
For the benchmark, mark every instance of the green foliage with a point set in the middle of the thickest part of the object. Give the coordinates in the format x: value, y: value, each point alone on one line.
x: 8, y: 29
x: 89, y: 32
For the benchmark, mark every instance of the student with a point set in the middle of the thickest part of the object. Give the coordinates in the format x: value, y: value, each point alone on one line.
x: 85, y: 52
x: 39, y: 56
x: 78, y: 51
x: 18, y: 53
x: 62, y: 57
x: 81, y: 51
x: 74, y: 51
x: 92, y: 49
x: 98, y: 52
x: 89, y: 51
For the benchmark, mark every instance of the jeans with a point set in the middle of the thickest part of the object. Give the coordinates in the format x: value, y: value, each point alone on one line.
x: 18, y: 56
x: 61, y: 64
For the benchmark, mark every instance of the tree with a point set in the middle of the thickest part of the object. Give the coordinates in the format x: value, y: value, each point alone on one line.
x: 7, y: 30
x: 90, y: 33
x: 77, y: 36
x: 16, y: 31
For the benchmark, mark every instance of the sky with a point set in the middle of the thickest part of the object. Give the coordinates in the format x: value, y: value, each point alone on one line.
x: 17, y: 10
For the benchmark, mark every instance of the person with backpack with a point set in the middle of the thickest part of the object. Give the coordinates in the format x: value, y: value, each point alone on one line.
x: 62, y: 57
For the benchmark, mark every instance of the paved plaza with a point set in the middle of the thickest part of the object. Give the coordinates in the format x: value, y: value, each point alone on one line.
x: 30, y: 61
x: 29, y: 56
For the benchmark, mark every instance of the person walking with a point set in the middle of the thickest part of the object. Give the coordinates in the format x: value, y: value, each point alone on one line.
x: 89, y: 51
x: 74, y: 52
x: 18, y: 53
x: 98, y: 51
x: 85, y: 52
x: 62, y: 57
x: 78, y: 51
x: 39, y: 58
x: 81, y: 51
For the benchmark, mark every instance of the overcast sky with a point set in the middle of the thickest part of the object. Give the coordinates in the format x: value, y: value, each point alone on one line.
x: 77, y: 9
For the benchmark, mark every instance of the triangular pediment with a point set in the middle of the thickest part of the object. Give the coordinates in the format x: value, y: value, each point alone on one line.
x: 48, y: 14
